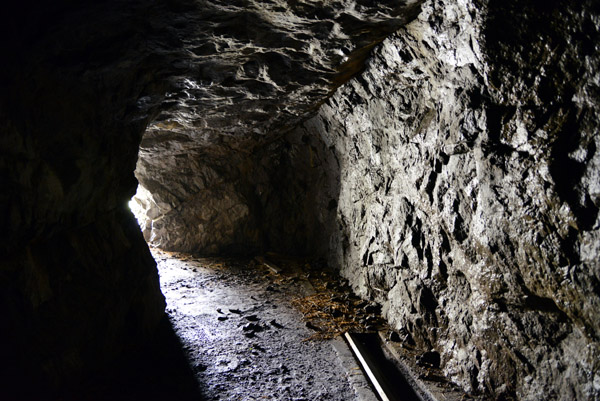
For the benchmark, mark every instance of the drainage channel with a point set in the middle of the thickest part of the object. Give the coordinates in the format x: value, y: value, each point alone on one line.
x: 387, y: 380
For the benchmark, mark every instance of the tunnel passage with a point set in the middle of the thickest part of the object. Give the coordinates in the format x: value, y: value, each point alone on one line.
x: 441, y: 182
x: 83, y: 84
x: 458, y: 173
x: 222, y: 174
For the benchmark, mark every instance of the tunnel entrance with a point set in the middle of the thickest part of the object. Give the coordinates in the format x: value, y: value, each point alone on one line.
x: 265, y: 324
x: 143, y: 206
x: 270, y: 326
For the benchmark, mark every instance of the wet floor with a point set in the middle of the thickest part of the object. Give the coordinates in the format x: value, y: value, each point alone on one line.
x: 243, y: 329
x: 245, y: 339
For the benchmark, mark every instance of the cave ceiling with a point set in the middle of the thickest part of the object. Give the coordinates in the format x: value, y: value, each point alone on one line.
x: 247, y: 68
x: 195, y: 86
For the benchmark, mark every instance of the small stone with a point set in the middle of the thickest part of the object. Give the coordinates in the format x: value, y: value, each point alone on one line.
x: 429, y: 358
x: 275, y: 324
x: 252, y: 318
x: 259, y: 348
x: 372, y: 308
x: 312, y: 326
x: 253, y: 327
x: 236, y: 311
x: 222, y: 318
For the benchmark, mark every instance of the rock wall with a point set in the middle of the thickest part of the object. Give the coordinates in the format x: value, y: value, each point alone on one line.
x: 78, y: 285
x: 72, y: 303
x: 468, y: 195
x: 209, y: 82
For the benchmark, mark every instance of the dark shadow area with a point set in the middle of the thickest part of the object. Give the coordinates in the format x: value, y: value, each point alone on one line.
x: 297, y: 210
x: 156, y: 371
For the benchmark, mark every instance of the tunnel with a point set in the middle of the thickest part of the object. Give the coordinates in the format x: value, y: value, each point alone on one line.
x: 438, y: 157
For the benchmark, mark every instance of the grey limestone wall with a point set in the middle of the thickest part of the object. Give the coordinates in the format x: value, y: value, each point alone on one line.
x: 469, y: 191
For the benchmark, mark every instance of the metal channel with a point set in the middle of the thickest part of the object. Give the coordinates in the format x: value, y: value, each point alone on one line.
x: 388, y: 382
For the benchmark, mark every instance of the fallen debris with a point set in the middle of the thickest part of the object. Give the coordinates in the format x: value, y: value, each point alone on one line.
x: 270, y: 265
x: 313, y: 327
x: 334, y: 311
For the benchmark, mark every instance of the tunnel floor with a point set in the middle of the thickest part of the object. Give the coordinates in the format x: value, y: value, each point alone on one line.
x: 251, y: 333
x: 255, y: 329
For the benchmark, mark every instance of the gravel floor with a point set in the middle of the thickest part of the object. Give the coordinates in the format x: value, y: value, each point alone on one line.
x: 244, y: 339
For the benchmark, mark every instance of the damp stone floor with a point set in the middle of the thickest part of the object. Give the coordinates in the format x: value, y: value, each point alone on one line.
x: 244, y: 338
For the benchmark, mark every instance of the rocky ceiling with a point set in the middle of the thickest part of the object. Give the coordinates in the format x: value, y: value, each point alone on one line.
x: 210, y: 80
x: 238, y: 75
x: 246, y: 68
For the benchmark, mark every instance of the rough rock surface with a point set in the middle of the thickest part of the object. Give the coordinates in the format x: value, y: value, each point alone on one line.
x: 77, y: 282
x: 456, y: 181
x: 242, y: 73
x: 80, y: 84
x: 76, y: 313
x: 468, y: 191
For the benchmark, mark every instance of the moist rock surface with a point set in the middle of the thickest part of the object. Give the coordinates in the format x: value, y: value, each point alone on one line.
x: 454, y: 181
x: 81, y: 83
x: 463, y: 195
